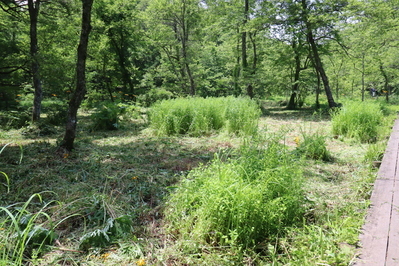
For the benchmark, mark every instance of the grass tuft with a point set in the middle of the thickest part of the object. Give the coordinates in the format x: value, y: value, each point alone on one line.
x: 358, y: 120
x: 199, y: 116
x: 240, y: 203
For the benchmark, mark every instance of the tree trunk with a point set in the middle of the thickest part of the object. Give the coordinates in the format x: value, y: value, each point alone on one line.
x: 318, y: 64
x: 385, y: 90
x: 77, y: 97
x: 292, y: 104
x: 33, y: 7
x: 317, y: 102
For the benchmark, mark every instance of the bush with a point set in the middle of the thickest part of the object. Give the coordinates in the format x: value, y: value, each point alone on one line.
x: 198, y: 116
x: 241, y: 203
x: 358, y: 120
x: 109, y: 115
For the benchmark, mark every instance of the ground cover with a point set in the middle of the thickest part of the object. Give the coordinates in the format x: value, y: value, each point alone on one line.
x: 122, y: 179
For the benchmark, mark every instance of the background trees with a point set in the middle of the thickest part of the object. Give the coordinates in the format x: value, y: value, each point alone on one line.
x: 152, y: 49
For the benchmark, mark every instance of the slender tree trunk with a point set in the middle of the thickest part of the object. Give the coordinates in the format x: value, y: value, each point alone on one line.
x: 316, y: 57
x: 317, y: 91
x: 244, y: 55
x: 384, y: 74
x: 292, y: 104
x: 77, y: 97
x: 33, y: 7
x: 237, y: 68
x: 363, y: 74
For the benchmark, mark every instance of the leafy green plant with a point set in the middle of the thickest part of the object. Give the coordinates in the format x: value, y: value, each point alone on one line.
x: 198, y: 116
x: 25, y: 231
x: 313, y: 146
x: 113, y: 229
x: 241, y: 203
x: 109, y: 115
x: 358, y: 120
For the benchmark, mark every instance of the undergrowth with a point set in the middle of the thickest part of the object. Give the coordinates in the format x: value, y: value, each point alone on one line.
x: 255, y: 205
x: 199, y: 116
x: 358, y: 120
x: 243, y: 203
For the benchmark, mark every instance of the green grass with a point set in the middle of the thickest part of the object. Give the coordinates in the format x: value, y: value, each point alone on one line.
x: 358, y: 120
x: 133, y: 174
x: 199, y: 116
x: 242, y: 202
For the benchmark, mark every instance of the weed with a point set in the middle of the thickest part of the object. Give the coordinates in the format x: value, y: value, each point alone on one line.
x: 199, y: 116
x: 27, y: 232
x: 313, y: 146
x: 358, y: 120
x: 240, y: 203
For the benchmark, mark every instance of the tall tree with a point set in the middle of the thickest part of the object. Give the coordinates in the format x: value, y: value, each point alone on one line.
x: 174, y: 24
x: 80, y: 90
x: 33, y: 8
x: 310, y: 27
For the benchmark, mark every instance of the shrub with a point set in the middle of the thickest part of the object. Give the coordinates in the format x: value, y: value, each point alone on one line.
x: 358, y: 120
x: 241, y: 203
x: 198, y: 116
x: 109, y: 115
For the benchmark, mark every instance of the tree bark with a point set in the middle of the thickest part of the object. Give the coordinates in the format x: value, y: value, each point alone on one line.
x: 33, y: 8
x: 80, y: 91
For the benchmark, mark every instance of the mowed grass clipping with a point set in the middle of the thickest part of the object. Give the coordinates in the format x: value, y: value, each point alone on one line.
x: 202, y: 116
x: 358, y: 120
x: 243, y: 202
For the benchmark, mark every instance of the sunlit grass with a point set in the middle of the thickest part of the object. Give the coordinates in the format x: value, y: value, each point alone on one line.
x: 131, y: 172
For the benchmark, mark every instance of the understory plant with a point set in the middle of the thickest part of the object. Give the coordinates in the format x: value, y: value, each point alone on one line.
x: 242, y: 203
x: 25, y: 233
x: 109, y: 115
x: 358, y: 120
x: 313, y: 146
x: 199, y: 116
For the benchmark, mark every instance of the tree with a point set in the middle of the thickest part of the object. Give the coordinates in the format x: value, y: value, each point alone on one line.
x: 33, y: 8
x: 80, y: 90
x: 174, y: 24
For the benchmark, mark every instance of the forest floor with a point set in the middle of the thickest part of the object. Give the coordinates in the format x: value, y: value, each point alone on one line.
x: 130, y: 172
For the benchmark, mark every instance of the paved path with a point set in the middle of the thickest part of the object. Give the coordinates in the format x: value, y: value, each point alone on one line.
x: 380, y: 234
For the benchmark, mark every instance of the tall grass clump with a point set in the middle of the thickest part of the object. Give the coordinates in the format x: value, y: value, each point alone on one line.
x: 24, y: 233
x: 198, y: 116
x: 358, y: 120
x: 242, y: 203
x: 313, y: 146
